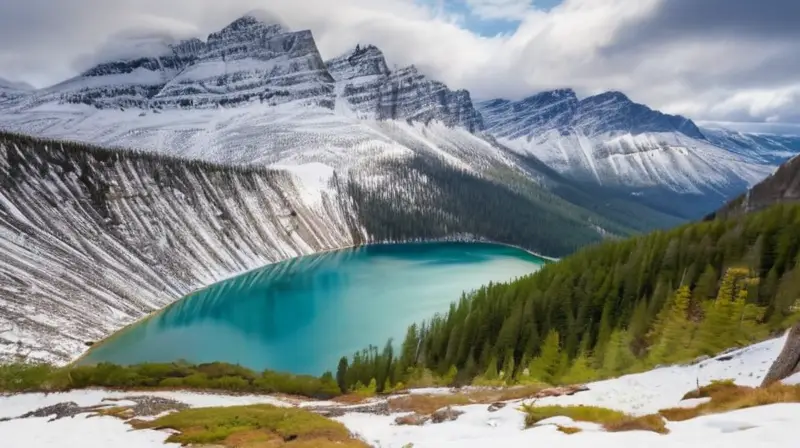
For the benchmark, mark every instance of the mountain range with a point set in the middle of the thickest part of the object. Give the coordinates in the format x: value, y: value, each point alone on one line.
x: 217, y: 156
x: 256, y: 92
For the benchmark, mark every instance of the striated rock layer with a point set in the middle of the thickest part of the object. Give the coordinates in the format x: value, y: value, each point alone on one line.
x: 366, y: 84
x: 93, y: 240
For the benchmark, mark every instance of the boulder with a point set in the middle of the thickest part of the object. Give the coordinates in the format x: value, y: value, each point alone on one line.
x: 560, y: 391
x: 788, y: 361
x: 411, y: 420
x: 494, y: 407
x: 447, y: 414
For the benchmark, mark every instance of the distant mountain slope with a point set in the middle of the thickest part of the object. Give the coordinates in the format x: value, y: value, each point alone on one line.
x: 610, y: 141
x: 9, y: 90
x: 783, y: 186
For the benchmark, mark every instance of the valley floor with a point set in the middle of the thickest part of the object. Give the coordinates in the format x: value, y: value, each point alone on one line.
x: 640, y: 394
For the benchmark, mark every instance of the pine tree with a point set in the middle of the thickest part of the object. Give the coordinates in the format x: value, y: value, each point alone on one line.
x: 618, y: 357
x: 341, y: 375
x: 580, y: 372
x: 544, y: 367
x: 671, y: 338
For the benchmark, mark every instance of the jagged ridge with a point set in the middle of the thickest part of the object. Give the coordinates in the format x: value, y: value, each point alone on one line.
x: 373, y: 91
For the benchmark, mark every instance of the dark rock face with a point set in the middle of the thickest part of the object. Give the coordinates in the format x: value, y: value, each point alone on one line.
x: 562, y: 111
x: 373, y: 91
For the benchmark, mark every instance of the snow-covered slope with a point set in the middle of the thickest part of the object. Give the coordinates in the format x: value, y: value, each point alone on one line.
x: 91, y: 241
x: 94, y: 239
x: 611, y: 141
x: 770, y: 426
x: 371, y: 90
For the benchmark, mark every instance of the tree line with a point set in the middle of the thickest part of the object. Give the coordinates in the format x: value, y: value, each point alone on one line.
x: 609, y: 309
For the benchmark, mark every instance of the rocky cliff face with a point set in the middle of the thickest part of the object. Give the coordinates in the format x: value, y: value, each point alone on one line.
x: 370, y: 89
x: 250, y: 60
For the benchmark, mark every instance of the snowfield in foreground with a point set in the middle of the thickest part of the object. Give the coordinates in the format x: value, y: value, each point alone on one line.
x: 767, y: 426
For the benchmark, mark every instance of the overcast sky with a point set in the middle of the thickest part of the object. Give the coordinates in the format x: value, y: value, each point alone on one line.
x: 712, y: 60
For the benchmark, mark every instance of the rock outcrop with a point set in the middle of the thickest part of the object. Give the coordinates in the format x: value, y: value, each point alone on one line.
x: 371, y: 90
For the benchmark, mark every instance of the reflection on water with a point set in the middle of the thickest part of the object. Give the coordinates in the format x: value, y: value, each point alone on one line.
x: 303, y: 314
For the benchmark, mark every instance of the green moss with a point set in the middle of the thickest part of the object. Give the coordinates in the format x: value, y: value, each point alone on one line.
x: 611, y: 420
x: 535, y: 414
x: 214, y: 376
x: 216, y: 425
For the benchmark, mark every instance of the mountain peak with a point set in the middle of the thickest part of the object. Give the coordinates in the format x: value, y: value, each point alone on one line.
x: 257, y: 19
x: 360, y: 61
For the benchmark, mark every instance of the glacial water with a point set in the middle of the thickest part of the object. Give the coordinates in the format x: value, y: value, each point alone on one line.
x: 302, y: 315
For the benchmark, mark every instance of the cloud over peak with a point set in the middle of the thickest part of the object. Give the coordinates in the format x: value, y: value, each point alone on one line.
x: 710, y: 60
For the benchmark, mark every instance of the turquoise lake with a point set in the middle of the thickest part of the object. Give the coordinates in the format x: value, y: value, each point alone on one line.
x: 302, y: 315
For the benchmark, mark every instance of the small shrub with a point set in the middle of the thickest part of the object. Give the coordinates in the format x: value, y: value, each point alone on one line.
x: 233, y: 383
x: 569, y: 430
x: 171, y: 383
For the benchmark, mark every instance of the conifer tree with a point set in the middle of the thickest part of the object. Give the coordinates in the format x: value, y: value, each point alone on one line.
x: 671, y: 339
x: 580, y: 372
x: 618, y: 356
x: 341, y: 375
x: 545, y: 366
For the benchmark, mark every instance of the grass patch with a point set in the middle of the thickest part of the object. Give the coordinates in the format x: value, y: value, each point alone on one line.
x: 16, y: 378
x: 730, y: 397
x: 611, y: 420
x: 716, y: 387
x: 569, y: 430
x: 504, y: 394
x: 253, y: 427
x: 427, y: 404
x: 651, y: 422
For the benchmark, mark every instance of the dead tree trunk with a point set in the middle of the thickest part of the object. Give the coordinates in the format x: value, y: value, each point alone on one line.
x: 788, y: 361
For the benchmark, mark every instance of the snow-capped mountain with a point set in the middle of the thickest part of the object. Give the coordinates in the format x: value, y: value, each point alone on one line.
x: 257, y: 93
x: 609, y: 140
x: 248, y: 60
x: 366, y: 84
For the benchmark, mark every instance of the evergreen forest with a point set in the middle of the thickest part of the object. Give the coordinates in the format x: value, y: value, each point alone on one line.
x: 612, y: 308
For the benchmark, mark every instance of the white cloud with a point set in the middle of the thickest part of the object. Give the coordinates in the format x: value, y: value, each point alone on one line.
x: 500, y: 9
x: 580, y: 44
